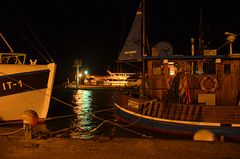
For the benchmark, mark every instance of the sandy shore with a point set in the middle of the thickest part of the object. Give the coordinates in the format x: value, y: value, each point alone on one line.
x: 16, y: 147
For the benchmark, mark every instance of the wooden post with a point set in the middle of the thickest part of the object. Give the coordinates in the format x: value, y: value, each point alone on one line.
x: 27, y: 131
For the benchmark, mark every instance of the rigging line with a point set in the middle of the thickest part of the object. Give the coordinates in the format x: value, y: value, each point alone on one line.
x: 39, y: 91
x: 30, y: 43
x: 34, y: 35
x: 54, y: 98
x: 6, y: 43
x: 222, y: 46
x: 72, y: 106
x: 133, y: 65
x: 215, y: 36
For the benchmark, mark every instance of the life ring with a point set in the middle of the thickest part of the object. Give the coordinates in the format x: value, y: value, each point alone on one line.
x: 208, y: 90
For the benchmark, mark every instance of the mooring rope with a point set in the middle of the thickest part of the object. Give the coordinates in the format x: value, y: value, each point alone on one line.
x: 120, y: 126
x: 104, y: 110
x: 93, y: 130
x: 58, y: 117
x: 62, y: 130
x: 10, y: 133
x: 11, y: 122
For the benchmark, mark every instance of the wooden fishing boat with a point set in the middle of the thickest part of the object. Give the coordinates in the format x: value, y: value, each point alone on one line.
x: 183, y: 94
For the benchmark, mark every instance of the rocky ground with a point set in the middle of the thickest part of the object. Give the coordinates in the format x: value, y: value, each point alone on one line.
x: 15, y: 146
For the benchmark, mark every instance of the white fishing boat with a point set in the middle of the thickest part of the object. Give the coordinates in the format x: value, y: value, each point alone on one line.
x: 24, y: 85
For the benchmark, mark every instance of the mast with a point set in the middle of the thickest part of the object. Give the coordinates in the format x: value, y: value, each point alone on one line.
x: 200, y: 32
x: 143, y: 27
x: 143, y: 45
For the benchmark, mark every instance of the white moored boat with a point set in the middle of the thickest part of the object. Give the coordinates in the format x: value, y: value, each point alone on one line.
x: 24, y: 86
x: 112, y: 80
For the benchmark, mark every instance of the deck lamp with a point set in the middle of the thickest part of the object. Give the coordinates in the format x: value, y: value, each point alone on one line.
x: 230, y: 39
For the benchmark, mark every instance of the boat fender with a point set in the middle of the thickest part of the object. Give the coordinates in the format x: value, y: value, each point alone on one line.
x: 30, y: 117
x: 204, y: 135
x: 208, y: 90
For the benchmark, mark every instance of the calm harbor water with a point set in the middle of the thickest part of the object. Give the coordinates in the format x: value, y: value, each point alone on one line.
x: 90, y: 111
x: 87, y: 112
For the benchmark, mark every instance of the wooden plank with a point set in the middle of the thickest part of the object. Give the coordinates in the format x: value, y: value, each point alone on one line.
x: 178, y: 112
x: 172, y: 112
x: 149, y: 109
x: 190, y: 113
x: 184, y: 112
x: 160, y: 110
x: 155, y: 109
x: 197, y: 113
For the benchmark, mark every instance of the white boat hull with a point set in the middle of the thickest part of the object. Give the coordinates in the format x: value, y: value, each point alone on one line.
x: 25, y: 87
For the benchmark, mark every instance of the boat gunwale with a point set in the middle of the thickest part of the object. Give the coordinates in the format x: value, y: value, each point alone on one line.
x: 199, y: 123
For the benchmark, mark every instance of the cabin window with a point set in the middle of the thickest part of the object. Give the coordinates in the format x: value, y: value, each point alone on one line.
x: 157, y: 68
x: 227, y: 69
x: 209, y: 67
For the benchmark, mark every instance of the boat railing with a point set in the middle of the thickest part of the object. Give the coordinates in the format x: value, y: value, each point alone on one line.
x: 12, y: 58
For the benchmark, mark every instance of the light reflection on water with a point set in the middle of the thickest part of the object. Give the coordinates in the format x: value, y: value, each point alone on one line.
x: 76, y: 118
x: 83, y: 111
x: 84, y: 104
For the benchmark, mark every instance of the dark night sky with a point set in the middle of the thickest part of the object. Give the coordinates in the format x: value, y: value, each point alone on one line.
x: 94, y: 30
